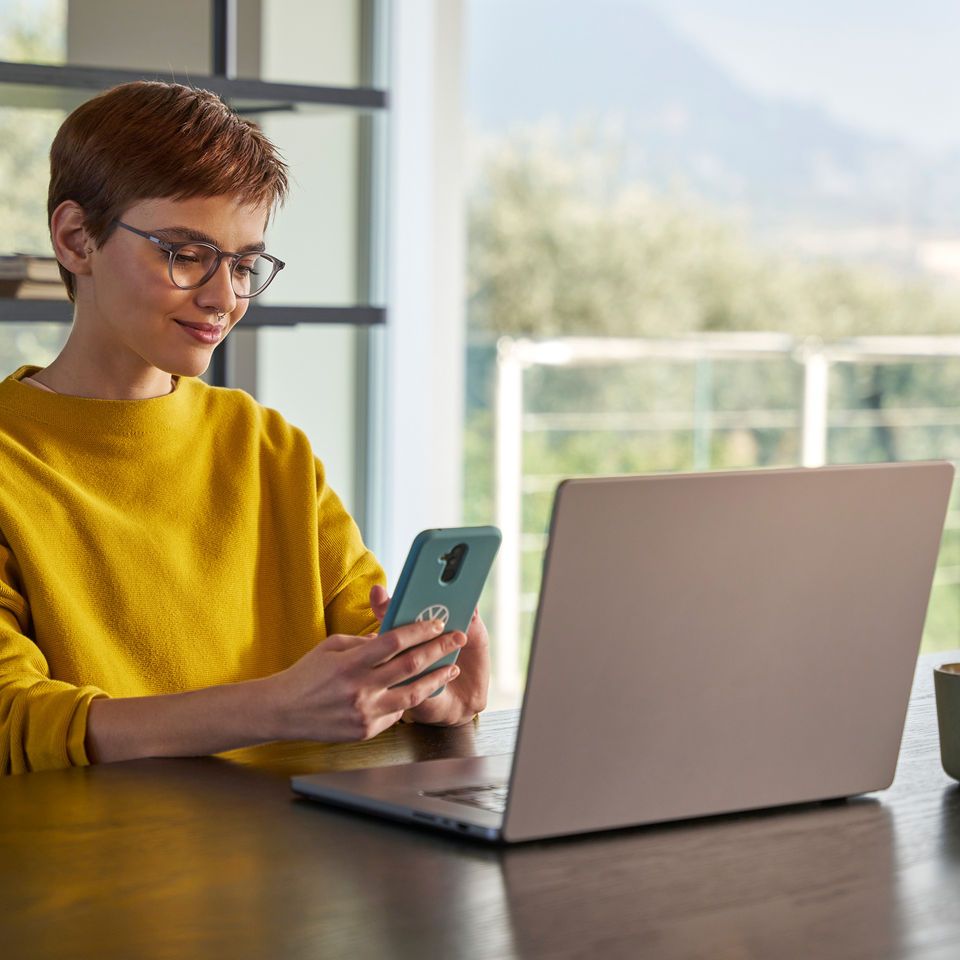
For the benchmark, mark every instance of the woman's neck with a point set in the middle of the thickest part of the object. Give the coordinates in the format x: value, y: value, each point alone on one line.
x: 85, y: 368
x: 56, y: 381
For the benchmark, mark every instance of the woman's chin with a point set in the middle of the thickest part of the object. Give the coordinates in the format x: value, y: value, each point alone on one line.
x: 193, y: 366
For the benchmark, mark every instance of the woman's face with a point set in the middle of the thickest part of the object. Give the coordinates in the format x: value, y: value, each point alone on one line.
x: 129, y: 303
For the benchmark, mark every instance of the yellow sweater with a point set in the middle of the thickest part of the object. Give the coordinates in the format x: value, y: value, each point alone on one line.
x: 156, y: 546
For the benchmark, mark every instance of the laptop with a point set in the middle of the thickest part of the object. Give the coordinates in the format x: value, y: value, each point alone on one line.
x: 704, y: 644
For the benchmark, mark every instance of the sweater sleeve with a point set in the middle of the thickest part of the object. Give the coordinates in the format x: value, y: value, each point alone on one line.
x: 43, y: 722
x: 347, y: 568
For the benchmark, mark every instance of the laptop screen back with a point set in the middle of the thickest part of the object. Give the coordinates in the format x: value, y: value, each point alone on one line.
x: 707, y: 643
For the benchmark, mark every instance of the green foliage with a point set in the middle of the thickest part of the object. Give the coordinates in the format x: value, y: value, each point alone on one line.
x: 29, y: 32
x: 33, y: 31
x: 25, y: 137
x: 560, y: 246
x: 36, y: 343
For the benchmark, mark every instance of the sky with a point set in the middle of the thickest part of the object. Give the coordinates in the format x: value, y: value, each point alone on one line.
x: 884, y: 66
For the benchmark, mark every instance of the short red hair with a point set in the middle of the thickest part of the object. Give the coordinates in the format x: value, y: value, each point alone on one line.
x: 151, y: 140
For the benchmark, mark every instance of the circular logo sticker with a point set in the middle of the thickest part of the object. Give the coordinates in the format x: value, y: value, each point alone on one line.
x: 436, y: 611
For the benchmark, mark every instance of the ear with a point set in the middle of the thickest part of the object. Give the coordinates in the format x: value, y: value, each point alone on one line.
x: 71, y: 243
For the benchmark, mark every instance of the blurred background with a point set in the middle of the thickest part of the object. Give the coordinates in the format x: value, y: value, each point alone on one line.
x: 531, y: 240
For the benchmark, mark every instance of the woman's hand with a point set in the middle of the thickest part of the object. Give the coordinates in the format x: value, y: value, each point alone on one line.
x: 463, y: 697
x: 345, y: 688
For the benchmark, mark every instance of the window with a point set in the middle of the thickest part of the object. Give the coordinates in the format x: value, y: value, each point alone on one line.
x: 705, y: 236
x: 305, y: 346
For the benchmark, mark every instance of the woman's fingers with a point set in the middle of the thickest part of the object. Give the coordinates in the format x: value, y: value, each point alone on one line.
x: 346, y: 687
x: 413, y: 694
x: 395, y: 641
x: 412, y: 662
x: 379, y: 601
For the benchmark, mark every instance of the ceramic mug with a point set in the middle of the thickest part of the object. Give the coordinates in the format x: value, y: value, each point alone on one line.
x: 946, y: 684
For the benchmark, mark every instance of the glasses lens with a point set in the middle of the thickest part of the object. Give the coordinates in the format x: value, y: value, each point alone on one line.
x: 251, y: 274
x: 192, y: 265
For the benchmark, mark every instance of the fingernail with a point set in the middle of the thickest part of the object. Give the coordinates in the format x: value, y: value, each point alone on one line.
x: 454, y: 672
x: 436, y: 625
x: 461, y: 639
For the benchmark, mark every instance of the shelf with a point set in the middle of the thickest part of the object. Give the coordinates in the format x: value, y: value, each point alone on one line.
x: 264, y: 315
x: 41, y: 86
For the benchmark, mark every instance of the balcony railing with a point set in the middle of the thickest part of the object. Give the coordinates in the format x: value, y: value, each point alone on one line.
x: 810, y: 404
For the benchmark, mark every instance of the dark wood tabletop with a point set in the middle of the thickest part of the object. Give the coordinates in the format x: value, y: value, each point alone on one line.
x: 217, y: 858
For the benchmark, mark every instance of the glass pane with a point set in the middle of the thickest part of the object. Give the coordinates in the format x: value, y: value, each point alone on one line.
x: 309, y: 374
x: 905, y: 409
x: 30, y: 343
x: 34, y: 31
x: 290, y: 41
x: 316, y: 232
x: 301, y: 41
x: 25, y: 137
x: 172, y: 38
x: 668, y: 171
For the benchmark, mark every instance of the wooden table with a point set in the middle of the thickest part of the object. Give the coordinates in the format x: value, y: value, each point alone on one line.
x: 217, y: 858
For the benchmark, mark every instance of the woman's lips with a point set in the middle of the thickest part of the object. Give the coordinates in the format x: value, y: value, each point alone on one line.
x: 204, y: 332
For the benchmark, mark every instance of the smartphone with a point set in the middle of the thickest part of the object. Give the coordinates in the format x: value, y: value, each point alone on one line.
x: 442, y: 579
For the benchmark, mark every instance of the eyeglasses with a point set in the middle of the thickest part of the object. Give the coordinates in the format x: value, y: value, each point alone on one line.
x: 194, y: 262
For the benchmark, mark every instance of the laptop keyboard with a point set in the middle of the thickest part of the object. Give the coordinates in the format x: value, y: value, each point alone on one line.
x: 490, y: 796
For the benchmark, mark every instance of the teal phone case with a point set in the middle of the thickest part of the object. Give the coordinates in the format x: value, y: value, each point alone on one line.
x: 421, y: 594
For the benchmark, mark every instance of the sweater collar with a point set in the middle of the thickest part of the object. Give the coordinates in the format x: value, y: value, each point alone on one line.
x: 125, y: 417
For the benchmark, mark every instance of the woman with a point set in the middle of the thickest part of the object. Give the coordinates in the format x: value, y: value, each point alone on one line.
x: 171, y: 556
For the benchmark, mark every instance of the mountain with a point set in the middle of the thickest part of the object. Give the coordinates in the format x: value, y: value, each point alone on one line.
x: 689, y: 125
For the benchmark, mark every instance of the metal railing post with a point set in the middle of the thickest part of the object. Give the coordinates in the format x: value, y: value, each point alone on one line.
x: 509, y: 490
x: 816, y: 385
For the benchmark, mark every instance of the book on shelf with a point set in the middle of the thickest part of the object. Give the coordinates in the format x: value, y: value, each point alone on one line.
x: 26, y: 276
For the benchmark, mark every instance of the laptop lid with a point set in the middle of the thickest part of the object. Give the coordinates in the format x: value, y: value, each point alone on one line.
x: 707, y: 643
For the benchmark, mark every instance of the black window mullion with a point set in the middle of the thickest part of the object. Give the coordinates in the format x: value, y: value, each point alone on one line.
x: 224, y: 62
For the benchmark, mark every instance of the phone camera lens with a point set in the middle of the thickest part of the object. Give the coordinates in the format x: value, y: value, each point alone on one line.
x: 452, y: 562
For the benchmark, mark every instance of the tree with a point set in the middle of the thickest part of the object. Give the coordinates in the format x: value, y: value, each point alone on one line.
x: 560, y: 245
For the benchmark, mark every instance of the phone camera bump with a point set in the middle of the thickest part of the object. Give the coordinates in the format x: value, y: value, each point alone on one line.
x: 452, y: 561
